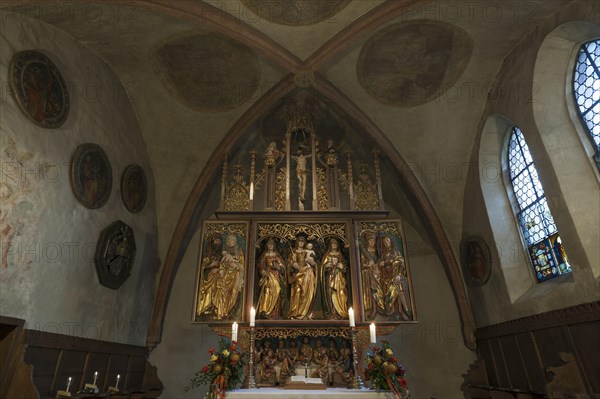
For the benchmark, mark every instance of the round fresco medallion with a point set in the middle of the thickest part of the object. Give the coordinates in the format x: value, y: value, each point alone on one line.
x: 134, y: 189
x: 410, y: 63
x: 208, y: 72
x: 91, y: 175
x: 476, y: 260
x: 40, y: 89
x: 115, y: 254
x: 296, y: 12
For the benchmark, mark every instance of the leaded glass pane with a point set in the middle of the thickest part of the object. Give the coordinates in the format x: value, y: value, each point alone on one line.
x: 546, y: 251
x: 586, y: 86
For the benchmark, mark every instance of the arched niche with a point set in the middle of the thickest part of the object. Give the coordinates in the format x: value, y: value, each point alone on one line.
x: 515, y: 269
x: 564, y: 139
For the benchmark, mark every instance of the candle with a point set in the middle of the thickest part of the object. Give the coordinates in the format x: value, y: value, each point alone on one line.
x: 372, y: 332
x: 95, y: 377
x: 252, y: 316
x: 68, y: 384
x: 234, y: 331
x: 351, y: 316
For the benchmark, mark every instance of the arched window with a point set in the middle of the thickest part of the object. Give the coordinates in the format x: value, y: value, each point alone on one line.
x: 586, y: 86
x: 544, y: 245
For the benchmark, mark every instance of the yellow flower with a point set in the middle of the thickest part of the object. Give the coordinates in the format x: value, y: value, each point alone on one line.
x: 214, y: 358
x: 225, y: 352
x: 389, y: 352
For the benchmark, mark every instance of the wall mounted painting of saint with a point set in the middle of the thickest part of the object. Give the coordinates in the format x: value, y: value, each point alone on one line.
x: 222, y: 269
x: 385, y: 279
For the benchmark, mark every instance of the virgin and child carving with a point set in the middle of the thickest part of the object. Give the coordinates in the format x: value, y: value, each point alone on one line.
x: 222, y: 275
x: 302, y: 285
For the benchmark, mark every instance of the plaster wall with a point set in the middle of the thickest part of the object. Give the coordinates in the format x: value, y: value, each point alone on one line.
x: 521, y: 97
x: 436, y: 339
x: 48, y: 276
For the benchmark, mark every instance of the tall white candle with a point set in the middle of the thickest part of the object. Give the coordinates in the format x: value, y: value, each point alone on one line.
x: 351, y: 316
x: 68, y: 384
x: 234, y: 331
x: 95, y: 377
x: 252, y: 316
x: 118, y: 378
x: 372, y: 333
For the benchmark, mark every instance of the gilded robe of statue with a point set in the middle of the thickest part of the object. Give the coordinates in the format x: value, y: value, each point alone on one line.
x: 336, y: 288
x: 394, y: 280
x: 370, y: 276
x: 209, y: 276
x: 303, y: 283
x: 231, y: 278
x: 271, y: 269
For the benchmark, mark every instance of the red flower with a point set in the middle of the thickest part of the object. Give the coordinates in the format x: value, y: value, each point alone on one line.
x: 402, y: 382
x: 370, y: 366
x: 393, y: 359
x: 211, y: 351
x: 205, y: 369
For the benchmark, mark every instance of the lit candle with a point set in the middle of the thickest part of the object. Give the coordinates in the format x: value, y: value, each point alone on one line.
x: 252, y: 316
x: 68, y: 384
x: 372, y: 332
x: 351, y: 316
x: 234, y: 331
x: 95, y: 377
x: 118, y: 378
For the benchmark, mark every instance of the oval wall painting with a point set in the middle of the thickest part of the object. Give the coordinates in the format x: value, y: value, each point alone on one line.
x: 40, y: 89
x: 91, y: 175
x: 134, y: 189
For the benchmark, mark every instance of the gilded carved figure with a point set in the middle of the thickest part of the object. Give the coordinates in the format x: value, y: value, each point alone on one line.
x: 209, y: 274
x: 370, y: 275
x: 394, y: 283
x: 271, y: 270
x: 334, y: 268
x: 222, y: 279
x: 266, y: 363
x: 303, y: 283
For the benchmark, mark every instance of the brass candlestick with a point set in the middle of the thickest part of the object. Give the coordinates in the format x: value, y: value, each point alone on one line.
x: 357, y: 382
x: 251, y: 380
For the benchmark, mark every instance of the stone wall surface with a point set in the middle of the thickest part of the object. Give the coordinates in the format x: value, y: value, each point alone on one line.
x: 47, y: 275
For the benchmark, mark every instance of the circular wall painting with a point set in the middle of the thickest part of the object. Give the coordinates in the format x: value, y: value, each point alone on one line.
x: 40, y: 89
x: 134, y: 189
x: 476, y: 260
x: 91, y: 175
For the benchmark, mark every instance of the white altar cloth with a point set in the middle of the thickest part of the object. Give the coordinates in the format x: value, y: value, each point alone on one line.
x: 329, y: 393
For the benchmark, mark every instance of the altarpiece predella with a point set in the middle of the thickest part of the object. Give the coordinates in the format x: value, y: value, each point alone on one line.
x: 302, y: 235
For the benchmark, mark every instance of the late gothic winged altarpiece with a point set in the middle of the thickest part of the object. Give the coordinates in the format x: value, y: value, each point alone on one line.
x: 302, y: 235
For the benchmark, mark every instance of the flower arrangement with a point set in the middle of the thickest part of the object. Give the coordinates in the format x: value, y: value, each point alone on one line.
x: 384, y: 372
x: 225, y: 371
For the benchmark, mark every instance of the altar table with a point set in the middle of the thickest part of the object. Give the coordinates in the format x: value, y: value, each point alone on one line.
x: 329, y: 393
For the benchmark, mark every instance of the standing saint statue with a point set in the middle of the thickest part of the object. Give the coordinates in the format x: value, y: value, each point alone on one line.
x: 334, y: 279
x: 209, y: 274
x: 231, y: 277
x: 370, y: 276
x: 394, y: 281
x: 303, y: 283
x: 271, y: 270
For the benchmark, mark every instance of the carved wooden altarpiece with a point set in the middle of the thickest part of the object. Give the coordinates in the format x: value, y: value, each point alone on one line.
x: 309, y: 238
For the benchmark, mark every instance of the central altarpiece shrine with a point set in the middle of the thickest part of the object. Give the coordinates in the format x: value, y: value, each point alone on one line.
x: 302, y: 235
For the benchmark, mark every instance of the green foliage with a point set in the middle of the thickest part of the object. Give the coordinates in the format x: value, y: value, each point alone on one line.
x: 384, y: 372
x: 224, y: 372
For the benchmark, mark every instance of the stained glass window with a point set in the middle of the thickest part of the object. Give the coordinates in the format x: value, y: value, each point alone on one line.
x: 586, y: 86
x: 535, y: 220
